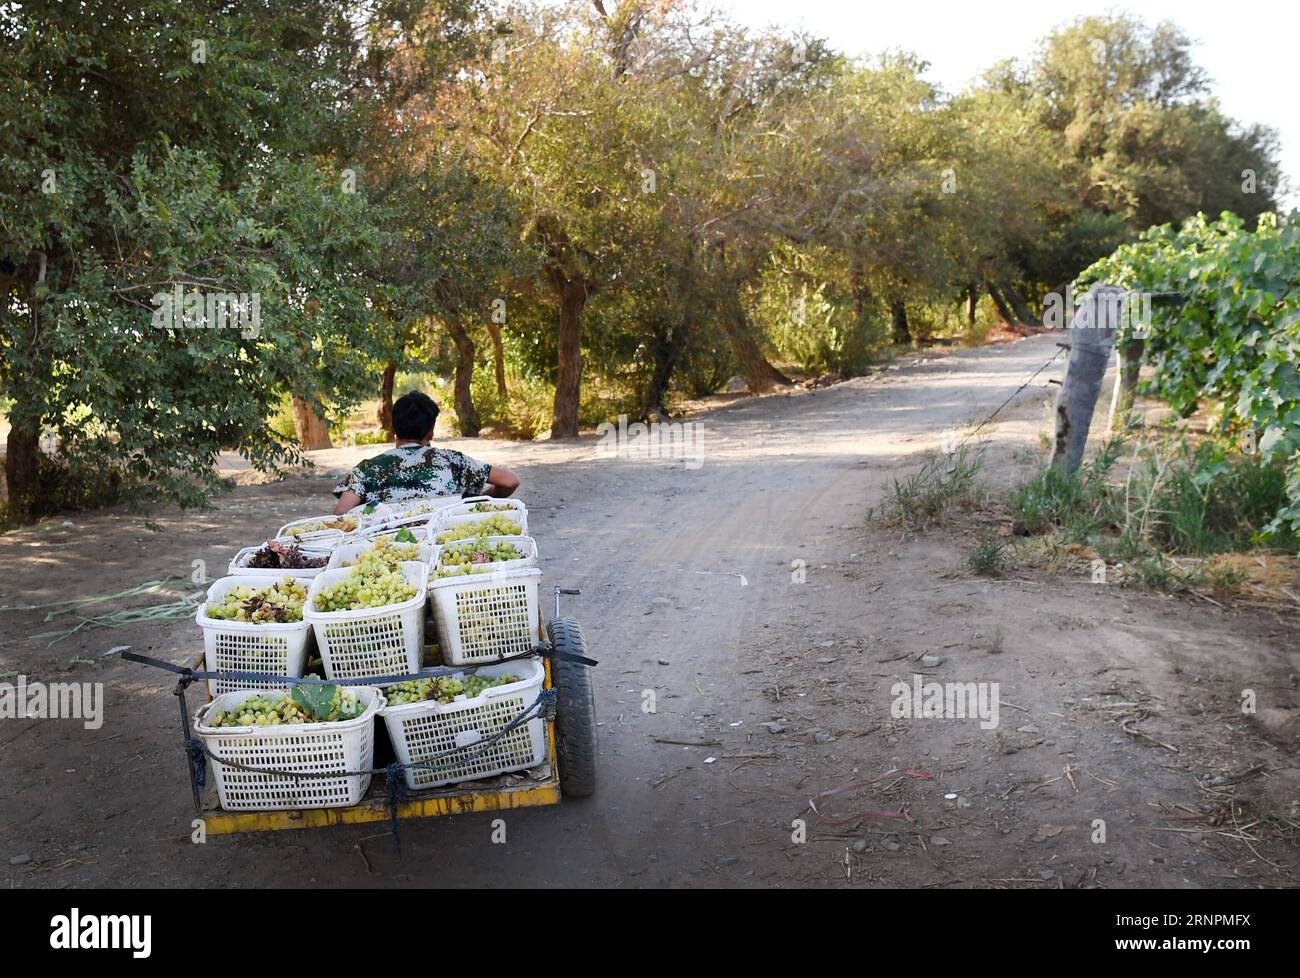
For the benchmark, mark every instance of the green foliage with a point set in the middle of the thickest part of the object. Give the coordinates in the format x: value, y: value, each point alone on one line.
x: 989, y: 558
x: 1078, y: 503
x: 688, y: 196
x: 1171, y: 500
x: 1232, y: 331
x: 137, y: 163
x: 944, y: 481
x: 810, y: 321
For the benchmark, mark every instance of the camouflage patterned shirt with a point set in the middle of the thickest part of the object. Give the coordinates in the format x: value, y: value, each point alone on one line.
x: 415, y: 471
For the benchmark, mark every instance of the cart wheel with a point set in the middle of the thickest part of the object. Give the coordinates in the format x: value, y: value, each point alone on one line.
x: 575, y: 711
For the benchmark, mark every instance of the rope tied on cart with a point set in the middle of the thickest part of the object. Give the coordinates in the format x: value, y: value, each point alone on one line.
x: 195, y: 750
x: 398, y: 795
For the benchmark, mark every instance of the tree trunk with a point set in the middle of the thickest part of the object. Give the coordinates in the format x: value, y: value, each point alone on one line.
x: 760, y: 375
x: 1004, y: 310
x: 972, y: 304
x: 573, y: 293
x: 498, y: 357
x: 386, y: 398
x: 902, y: 332
x: 861, y: 295
x: 665, y: 352
x: 1021, y: 307
x: 22, y: 475
x: 312, y: 431
x: 466, y: 414
x: 23, y: 446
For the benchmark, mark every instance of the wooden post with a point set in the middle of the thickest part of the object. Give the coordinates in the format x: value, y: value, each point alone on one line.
x: 1092, y: 339
x: 1126, y: 381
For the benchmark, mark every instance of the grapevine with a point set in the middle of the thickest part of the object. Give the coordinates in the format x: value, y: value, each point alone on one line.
x: 1225, y: 326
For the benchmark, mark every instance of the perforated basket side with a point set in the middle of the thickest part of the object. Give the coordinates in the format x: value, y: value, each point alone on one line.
x: 380, y: 645
x: 276, y: 654
x: 451, y: 521
x: 330, y: 748
x: 465, y: 507
x: 274, y: 648
x: 370, y: 641
x: 420, y: 731
x: 481, y: 619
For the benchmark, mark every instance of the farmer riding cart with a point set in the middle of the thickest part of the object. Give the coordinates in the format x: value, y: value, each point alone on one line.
x: 319, y: 635
x: 413, y: 468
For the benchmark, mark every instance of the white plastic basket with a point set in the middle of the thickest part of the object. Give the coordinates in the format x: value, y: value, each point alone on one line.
x: 485, y: 617
x: 514, y: 508
x: 272, y: 648
x: 386, y: 641
x: 422, y: 507
x: 519, y: 516
x: 422, y: 730
x: 345, y: 554
x: 295, y: 748
x: 317, y: 539
x: 526, y: 544
x: 238, y: 566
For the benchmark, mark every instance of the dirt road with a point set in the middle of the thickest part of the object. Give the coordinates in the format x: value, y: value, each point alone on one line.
x: 751, y: 590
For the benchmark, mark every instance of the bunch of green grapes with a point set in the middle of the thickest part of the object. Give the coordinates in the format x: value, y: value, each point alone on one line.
x: 491, y: 508
x: 372, y: 584
x: 272, y: 710
x: 475, y: 557
x: 474, y: 685
x: 444, y: 689
x: 386, y: 555
x: 497, y: 525
x: 279, y: 602
x: 345, y: 523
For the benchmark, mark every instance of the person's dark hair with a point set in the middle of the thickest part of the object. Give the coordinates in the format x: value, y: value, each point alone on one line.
x: 414, y: 415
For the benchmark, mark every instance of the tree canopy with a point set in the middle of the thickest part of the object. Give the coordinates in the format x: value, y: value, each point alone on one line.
x: 569, y: 209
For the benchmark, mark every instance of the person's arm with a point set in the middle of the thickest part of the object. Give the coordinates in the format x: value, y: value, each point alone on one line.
x: 348, y: 500
x: 500, y: 483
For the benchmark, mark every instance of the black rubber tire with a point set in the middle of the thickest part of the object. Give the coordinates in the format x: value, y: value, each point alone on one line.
x: 575, y: 711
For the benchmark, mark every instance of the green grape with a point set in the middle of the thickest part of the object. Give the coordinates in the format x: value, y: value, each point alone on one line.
x: 496, y: 525
x: 386, y: 555
x: 373, y: 583
x: 274, y: 603
x: 273, y: 710
x: 344, y: 523
x: 444, y: 689
x: 475, y: 557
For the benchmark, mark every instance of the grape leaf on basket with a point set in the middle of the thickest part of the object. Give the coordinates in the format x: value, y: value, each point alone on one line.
x: 405, y: 536
x: 314, y: 699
